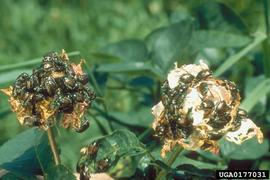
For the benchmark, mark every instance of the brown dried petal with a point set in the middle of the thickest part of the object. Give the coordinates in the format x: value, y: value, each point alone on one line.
x: 64, y: 55
x: 46, y: 113
x: 7, y: 91
x: 78, y: 68
x: 16, y: 106
x: 73, y: 119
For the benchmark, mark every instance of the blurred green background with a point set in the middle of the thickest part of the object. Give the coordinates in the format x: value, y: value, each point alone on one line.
x: 125, y: 58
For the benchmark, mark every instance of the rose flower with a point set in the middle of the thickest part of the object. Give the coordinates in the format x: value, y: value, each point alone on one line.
x: 197, y: 109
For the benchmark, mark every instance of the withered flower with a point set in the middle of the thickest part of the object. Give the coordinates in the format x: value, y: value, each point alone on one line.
x: 197, y: 109
x: 57, y: 86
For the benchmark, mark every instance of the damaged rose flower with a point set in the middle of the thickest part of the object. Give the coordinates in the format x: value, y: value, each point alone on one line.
x: 197, y: 109
x: 56, y: 86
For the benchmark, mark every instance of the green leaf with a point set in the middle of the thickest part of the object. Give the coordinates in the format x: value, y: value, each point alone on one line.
x: 250, y: 149
x: 127, y: 50
x: 198, y: 164
x: 218, y: 16
x: 30, y: 62
x: 260, y: 90
x: 209, y: 155
x: 266, y: 16
x: 12, y: 176
x: 19, y: 155
x: 123, y: 151
x: 12, y: 75
x: 236, y: 57
x: 60, y: 172
x: 120, y: 142
x: 141, y: 117
x: 124, y: 67
x: 70, y: 151
x: 101, y: 58
x: 152, y: 37
x: 44, y: 156
x: 140, y: 68
x: 171, y: 43
x: 217, y: 39
x: 190, y: 169
x: 125, y: 167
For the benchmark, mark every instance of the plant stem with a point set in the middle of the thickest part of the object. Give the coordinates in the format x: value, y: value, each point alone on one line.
x: 260, y: 37
x: 266, y: 16
x: 266, y: 46
x: 30, y: 62
x: 53, y: 146
x: 170, y: 161
x: 93, y: 79
x: 145, y: 134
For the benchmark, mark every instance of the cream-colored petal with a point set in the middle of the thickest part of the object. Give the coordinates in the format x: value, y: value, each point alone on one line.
x: 246, y: 131
x: 157, y: 109
x: 197, y: 118
x: 173, y: 77
x: 175, y: 74
x: 203, y: 65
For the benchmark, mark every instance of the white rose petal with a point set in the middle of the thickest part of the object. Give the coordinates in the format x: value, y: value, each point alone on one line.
x: 175, y: 74
x: 157, y: 109
x: 246, y: 131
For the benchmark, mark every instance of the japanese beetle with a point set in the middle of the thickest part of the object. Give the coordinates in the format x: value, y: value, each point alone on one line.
x: 32, y: 82
x: 83, y: 127
x: 103, y: 165
x: 160, y: 130
x: 69, y: 82
x: 215, y: 136
x: 50, y: 56
x: 92, y: 149
x: 31, y: 121
x: 78, y: 97
x: 241, y: 113
x: 50, y: 85
x: 203, y: 75
x: 221, y: 107
x: 187, y: 78
x: 82, y: 78
x: 63, y: 103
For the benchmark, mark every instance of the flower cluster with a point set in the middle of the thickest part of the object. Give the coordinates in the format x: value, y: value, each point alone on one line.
x: 57, y: 86
x: 196, y: 110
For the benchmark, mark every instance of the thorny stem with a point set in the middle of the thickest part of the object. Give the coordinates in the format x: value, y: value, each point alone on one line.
x: 170, y: 161
x: 53, y: 146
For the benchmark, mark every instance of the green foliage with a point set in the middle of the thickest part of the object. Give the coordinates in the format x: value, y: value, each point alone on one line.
x: 60, y: 172
x: 129, y: 47
x: 142, y: 117
x: 198, y: 164
x: 250, y: 149
x: 24, y: 153
x: 217, y: 39
x: 123, y: 151
x: 170, y: 44
x: 128, y: 50
x: 11, y: 176
x: 236, y: 57
x: 261, y: 90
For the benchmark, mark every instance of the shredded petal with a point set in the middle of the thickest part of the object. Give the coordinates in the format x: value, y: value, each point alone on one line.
x: 246, y: 131
x: 199, y: 110
x: 78, y: 68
